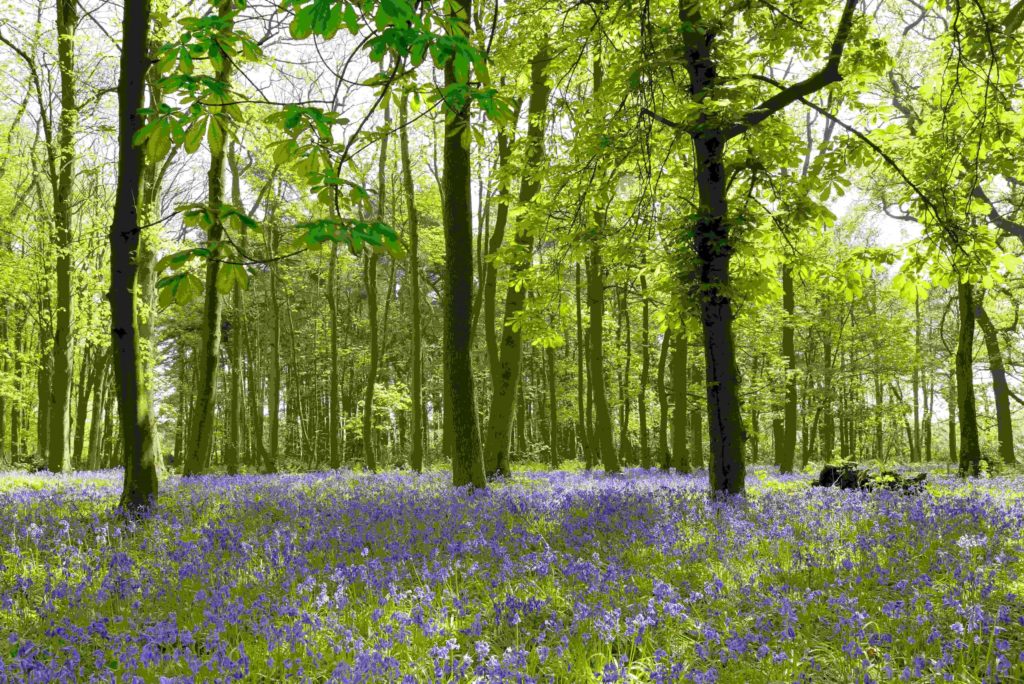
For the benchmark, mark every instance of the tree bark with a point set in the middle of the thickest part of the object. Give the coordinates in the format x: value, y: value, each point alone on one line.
x: 369, y: 452
x: 970, y: 448
x: 595, y: 302
x: 581, y: 374
x: 274, y: 371
x: 59, y: 416
x: 664, y: 455
x: 788, y: 452
x: 234, y: 437
x: 200, y: 435
x: 712, y: 242
x: 460, y: 408
x: 415, y: 351
x: 1000, y: 388
x: 680, y: 448
x: 549, y: 354
x: 138, y: 436
x: 645, y: 377
x: 506, y: 382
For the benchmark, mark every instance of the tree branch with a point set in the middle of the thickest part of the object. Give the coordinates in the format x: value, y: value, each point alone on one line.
x: 801, y: 89
x: 998, y: 220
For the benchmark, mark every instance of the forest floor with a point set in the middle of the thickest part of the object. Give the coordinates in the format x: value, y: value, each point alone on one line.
x: 566, y: 577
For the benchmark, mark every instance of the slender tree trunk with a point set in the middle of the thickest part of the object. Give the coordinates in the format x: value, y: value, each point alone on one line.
x: 581, y: 374
x: 788, y: 452
x: 234, y: 437
x: 549, y: 353
x: 929, y: 402
x: 4, y: 369
x: 679, y: 413
x: 415, y: 351
x: 916, y: 380
x: 879, y: 412
x: 81, y: 407
x: 712, y: 242
x: 970, y: 448
x: 16, y: 432
x: 951, y: 402
x: 625, y: 440
x: 44, y: 377
x: 59, y: 413
x: 99, y: 394
x: 369, y: 455
x: 595, y: 302
x: 490, y: 286
x: 460, y: 409
x: 138, y: 436
x: 664, y: 455
x: 506, y: 381
x: 255, y: 392
x: 828, y: 436
x: 200, y: 435
x: 645, y: 377
x: 274, y: 374
x: 1000, y: 388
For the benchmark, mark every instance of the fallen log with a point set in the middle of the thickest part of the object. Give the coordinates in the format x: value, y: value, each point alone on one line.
x: 850, y: 476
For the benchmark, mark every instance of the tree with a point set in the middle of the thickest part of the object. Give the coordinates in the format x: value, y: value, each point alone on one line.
x: 506, y: 382
x: 467, y: 463
x: 138, y: 437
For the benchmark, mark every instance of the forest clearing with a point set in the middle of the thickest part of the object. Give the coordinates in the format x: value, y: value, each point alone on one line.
x: 511, y: 340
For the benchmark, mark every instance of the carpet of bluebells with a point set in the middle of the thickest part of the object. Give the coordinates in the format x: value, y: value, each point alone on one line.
x: 552, y: 577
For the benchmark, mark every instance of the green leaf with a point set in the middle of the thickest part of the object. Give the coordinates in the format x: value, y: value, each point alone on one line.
x: 166, y: 62
x: 159, y: 142
x: 215, y: 136
x: 185, y: 61
x: 194, y: 134
x: 302, y: 25
x: 351, y: 19
x: 460, y: 65
x: 144, y: 132
x: 216, y: 57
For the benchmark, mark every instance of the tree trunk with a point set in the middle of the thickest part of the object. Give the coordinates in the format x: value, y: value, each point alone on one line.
x: 915, y: 452
x: 369, y: 455
x: 59, y: 412
x: 595, y: 301
x: 581, y: 374
x: 234, y: 436
x: 970, y: 448
x: 788, y: 451
x: 951, y: 401
x: 200, y: 434
x: 1000, y: 388
x: 680, y: 455
x: 138, y: 436
x: 506, y: 381
x: 415, y: 352
x: 645, y: 377
x: 99, y: 394
x: 625, y: 440
x: 490, y: 286
x: 712, y: 242
x: 274, y: 372
x: 81, y: 406
x: 552, y: 406
x: 664, y: 455
x: 460, y: 408
x: 828, y: 432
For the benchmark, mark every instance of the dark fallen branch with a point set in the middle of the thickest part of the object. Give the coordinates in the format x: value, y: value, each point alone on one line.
x: 849, y: 476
